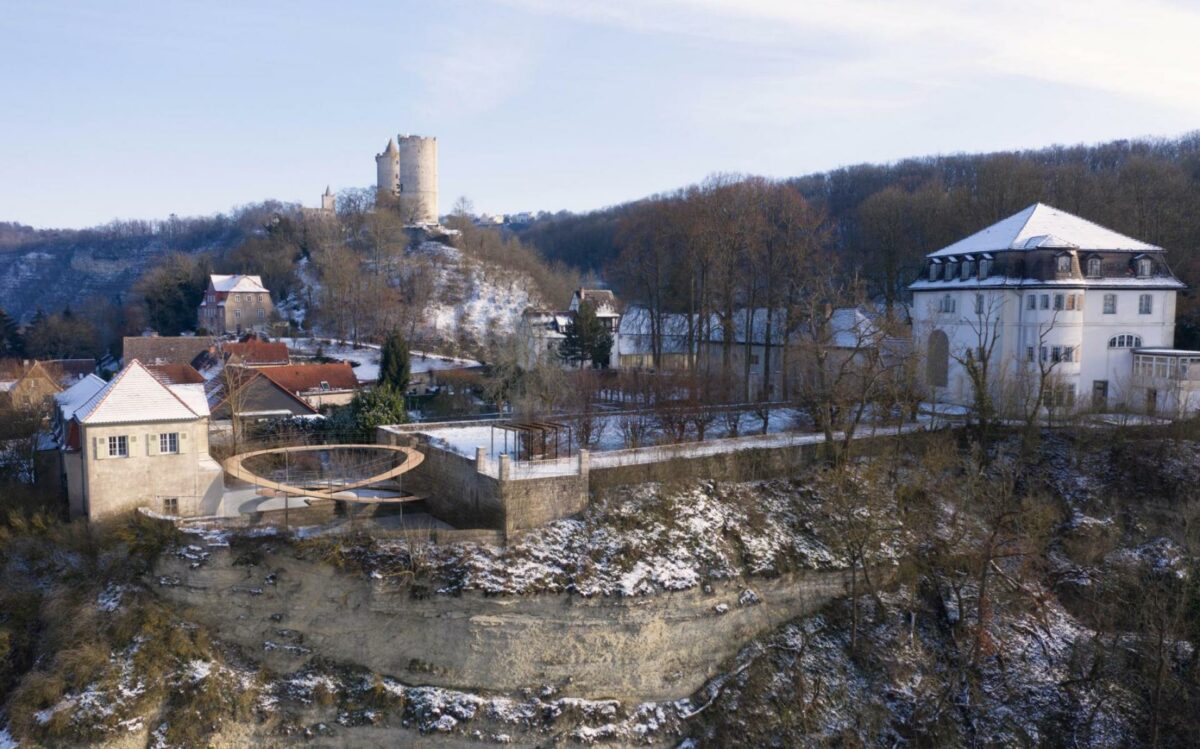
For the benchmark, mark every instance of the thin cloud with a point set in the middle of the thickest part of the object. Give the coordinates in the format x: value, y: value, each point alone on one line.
x: 1144, y: 50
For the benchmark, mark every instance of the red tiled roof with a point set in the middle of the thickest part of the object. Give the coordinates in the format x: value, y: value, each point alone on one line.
x: 254, y: 352
x: 176, y: 374
x: 301, y: 378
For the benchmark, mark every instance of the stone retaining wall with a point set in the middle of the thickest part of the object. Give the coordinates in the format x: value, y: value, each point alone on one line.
x: 640, y: 648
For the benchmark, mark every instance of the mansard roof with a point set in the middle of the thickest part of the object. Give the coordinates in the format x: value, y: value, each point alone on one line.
x: 1044, y: 227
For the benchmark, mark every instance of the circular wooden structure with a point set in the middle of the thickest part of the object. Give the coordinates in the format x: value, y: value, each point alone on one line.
x: 412, y: 458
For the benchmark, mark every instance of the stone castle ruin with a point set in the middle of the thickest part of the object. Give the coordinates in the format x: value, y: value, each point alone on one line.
x: 407, y: 171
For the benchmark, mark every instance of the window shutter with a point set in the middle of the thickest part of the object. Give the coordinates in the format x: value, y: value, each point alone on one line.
x: 152, y: 444
x: 182, y: 442
x: 96, y: 452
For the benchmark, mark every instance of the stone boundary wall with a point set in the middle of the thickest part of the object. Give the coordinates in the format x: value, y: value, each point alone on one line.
x: 461, y: 492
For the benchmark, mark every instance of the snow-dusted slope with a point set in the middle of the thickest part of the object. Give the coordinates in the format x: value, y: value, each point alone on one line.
x: 473, y: 298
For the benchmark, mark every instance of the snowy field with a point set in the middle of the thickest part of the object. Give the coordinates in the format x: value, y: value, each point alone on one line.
x: 365, y: 357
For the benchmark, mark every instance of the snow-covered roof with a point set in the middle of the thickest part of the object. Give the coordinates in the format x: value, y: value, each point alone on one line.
x: 1041, y: 226
x: 237, y: 283
x: 70, y: 400
x: 993, y: 282
x: 135, y: 395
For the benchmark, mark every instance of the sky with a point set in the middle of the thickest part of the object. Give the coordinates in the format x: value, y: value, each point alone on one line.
x: 140, y: 110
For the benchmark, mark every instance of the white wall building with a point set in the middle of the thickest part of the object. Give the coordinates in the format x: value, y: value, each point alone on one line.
x: 1046, y: 290
x: 138, y: 442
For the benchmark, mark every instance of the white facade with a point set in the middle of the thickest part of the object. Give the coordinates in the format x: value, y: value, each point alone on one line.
x: 1044, y: 290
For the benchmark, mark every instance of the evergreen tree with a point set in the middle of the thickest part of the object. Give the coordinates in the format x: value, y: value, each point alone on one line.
x: 394, y: 368
x: 10, y: 336
x: 586, y: 339
x: 376, y: 407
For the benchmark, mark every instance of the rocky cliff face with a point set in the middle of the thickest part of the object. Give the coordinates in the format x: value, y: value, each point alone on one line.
x: 54, y: 273
x: 659, y: 647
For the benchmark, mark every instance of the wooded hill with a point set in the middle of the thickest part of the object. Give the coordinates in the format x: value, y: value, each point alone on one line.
x: 884, y: 218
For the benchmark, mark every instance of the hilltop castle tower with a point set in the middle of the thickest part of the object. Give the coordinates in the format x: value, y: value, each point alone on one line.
x: 407, y: 170
x: 328, y: 201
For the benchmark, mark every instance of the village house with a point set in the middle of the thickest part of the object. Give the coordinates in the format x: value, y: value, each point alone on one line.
x: 27, y: 385
x: 543, y: 331
x: 137, y: 442
x: 672, y: 340
x: 233, y: 304
x: 317, y: 385
x: 251, y: 397
x: 1052, y: 295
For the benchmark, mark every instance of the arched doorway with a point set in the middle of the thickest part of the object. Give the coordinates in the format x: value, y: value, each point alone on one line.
x: 937, y: 361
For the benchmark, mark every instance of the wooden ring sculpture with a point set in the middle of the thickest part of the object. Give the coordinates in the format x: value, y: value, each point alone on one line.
x: 234, y: 467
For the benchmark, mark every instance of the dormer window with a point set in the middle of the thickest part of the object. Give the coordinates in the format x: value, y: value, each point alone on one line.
x: 1093, y: 267
x: 951, y: 268
x: 1145, y: 267
x: 1062, y: 263
x: 968, y: 266
x: 985, y: 266
x: 935, y: 270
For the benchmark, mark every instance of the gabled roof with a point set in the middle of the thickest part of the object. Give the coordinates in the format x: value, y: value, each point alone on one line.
x: 39, y: 370
x: 69, y: 400
x: 136, y: 396
x: 300, y: 378
x: 165, y: 349
x: 69, y: 370
x: 236, y: 283
x: 253, y: 388
x: 256, y: 352
x: 1041, y: 226
x: 176, y: 374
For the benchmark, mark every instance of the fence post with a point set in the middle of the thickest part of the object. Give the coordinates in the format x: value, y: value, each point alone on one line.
x: 505, y: 466
x: 480, y: 460
x: 585, y: 460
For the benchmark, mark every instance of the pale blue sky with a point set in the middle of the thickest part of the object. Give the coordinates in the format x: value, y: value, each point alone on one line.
x: 142, y: 109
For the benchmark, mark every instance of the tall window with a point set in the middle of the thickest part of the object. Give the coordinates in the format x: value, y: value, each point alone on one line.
x: 1032, y: 301
x: 979, y: 304
x: 1030, y: 355
x: 118, y: 447
x: 935, y: 269
x: 947, y: 304
x: 1063, y: 263
x: 985, y: 267
x: 168, y: 443
x: 1058, y: 301
x: 1093, y: 267
x: 1144, y: 267
x: 1045, y: 301
x: 967, y: 267
x: 1110, y: 304
x: 1145, y: 304
x: 951, y: 268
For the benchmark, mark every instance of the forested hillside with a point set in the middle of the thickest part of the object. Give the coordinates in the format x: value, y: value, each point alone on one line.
x: 883, y: 218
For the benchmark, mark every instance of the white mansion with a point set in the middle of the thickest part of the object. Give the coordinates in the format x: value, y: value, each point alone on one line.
x: 1047, y: 292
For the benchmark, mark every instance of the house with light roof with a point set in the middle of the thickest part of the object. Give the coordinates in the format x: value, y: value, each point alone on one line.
x: 234, y: 304
x: 1046, y: 295
x: 137, y: 441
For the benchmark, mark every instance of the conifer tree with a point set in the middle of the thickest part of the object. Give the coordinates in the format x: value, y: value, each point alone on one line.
x: 394, y: 368
x: 10, y: 336
x: 586, y: 339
